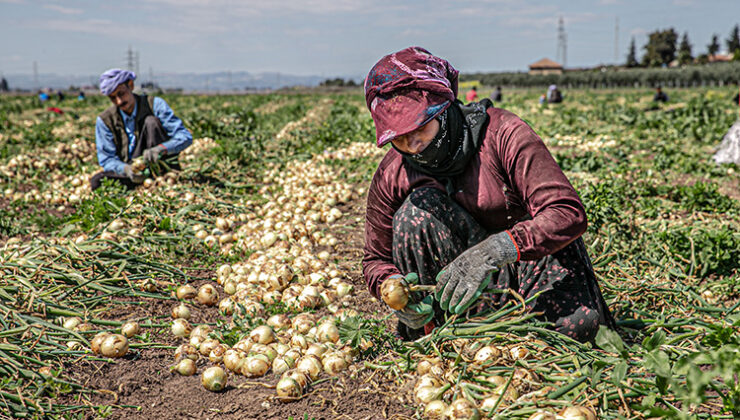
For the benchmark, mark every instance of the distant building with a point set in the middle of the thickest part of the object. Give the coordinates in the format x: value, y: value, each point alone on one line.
x: 719, y: 58
x: 545, y: 66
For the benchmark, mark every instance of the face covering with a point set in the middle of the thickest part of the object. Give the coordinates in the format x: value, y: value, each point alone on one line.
x: 461, y: 129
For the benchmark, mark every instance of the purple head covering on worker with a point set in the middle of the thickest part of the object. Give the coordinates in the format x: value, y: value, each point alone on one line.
x: 406, y: 90
x: 110, y: 80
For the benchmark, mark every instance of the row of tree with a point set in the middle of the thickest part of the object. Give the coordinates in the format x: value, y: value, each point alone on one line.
x: 661, y: 49
x: 720, y: 74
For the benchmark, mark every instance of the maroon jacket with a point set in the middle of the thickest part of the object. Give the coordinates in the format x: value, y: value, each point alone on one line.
x: 512, y: 176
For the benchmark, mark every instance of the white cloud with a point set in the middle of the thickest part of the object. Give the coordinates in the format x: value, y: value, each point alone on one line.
x: 63, y: 10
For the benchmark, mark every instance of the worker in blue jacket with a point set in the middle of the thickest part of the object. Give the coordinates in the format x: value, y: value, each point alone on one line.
x: 134, y: 126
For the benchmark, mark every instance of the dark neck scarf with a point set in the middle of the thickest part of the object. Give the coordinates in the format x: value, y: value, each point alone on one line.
x: 461, y: 129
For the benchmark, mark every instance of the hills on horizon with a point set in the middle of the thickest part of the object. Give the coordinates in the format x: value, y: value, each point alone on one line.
x: 217, y: 81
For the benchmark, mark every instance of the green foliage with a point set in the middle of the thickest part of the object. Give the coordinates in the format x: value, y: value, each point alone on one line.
x: 358, y: 332
x: 107, y: 202
x: 710, y: 250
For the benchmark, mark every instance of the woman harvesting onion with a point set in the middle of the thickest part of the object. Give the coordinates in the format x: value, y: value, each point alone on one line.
x: 469, y: 199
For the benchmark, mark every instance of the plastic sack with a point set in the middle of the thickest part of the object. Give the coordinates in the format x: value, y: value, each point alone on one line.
x: 729, y: 150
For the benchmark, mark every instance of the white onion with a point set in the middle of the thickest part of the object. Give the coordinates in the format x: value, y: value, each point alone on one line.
x: 72, y: 322
x: 462, y: 409
x: 180, y: 311
x: 186, y: 351
x: 334, y: 363
x: 254, y: 366
x: 207, y: 295
x: 130, y: 329
x: 262, y: 335
x: 543, y: 415
x: 214, y: 379
x: 394, y: 293
x: 97, y: 341
x: 288, y: 389
x: 181, y: 327
x: 114, y: 345
x: 435, y: 410
x: 185, y: 367
x: 186, y: 291
x: 487, y: 353
x: 577, y: 412
x: 310, y: 365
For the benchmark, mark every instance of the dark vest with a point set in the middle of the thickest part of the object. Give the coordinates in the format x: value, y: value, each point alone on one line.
x: 113, y: 120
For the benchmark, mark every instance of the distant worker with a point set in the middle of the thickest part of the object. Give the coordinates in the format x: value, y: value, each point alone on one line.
x: 543, y: 99
x: 134, y: 126
x: 81, y: 96
x: 43, y: 96
x: 4, y: 85
x: 554, y: 96
x: 472, y: 94
x: 660, y: 96
x: 496, y: 96
x: 60, y: 95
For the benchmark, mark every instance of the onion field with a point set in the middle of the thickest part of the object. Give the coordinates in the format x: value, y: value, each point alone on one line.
x: 233, y: 289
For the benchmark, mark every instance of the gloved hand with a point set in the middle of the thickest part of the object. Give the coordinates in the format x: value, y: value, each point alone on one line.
x: 464, y: 279
x: 134, y: 177
x: 153, y: 154
x: 416, y: 315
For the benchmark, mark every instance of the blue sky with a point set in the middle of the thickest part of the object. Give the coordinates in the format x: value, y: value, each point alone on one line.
x: 334, y: 37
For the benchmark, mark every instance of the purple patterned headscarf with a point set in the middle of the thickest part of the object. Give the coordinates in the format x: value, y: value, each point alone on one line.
x: 110, y: 80
x: 406, y: 90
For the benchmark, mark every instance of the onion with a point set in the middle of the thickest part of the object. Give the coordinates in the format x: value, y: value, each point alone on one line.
x: 130, y: 329
x: 186, y: 351
x: 577, y: 412
x: 288, y: 389
x: 196, y: 340
x: 97, y: 341
x: 254, y: 366
x: 334, y: 363
x: 223, y: 224
x: 317, y: 349
x: 518, y: 352
x: 394, y: 293
x: 262, y: 335
x: 278, y: 321
x: 185, y: 367
x: 207, y: 295
x: 230, y: 287
x: 201, y: 331
x: 282, y: 364
x: 186, y: 291
x: 72, y: 322
x: 207, y: 345
x: 226, y: 306
x: 428, y: 380
x: 426, y: 394
x: 486, y: 353
x: 214, y: 379
x: 114, y: 345
x: 328, y: 332
x: 462, y: 409
x: 299, y: 341
x: 298, y: 376
x: 343, y: 289
x: 310, y: 365
x: 435, y: 410
x: 181, y: 327
x: 302, y: 323
x: 84, y: 327
x: 181, y: 311
x: 231, y: 359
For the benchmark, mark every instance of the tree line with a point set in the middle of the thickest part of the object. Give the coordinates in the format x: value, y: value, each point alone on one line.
x: 662, y: 48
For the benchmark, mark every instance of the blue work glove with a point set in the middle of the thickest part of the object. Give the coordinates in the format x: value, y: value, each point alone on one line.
x: 464, y: 279
x: 153, y: 154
